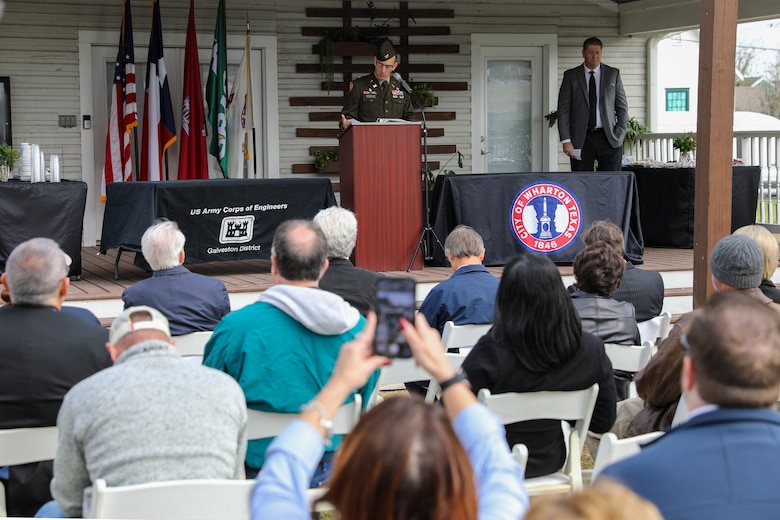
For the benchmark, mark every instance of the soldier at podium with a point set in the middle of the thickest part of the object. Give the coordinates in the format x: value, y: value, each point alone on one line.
x: 378, y: 95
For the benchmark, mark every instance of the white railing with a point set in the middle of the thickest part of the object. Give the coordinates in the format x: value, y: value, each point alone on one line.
x: 754, y: 148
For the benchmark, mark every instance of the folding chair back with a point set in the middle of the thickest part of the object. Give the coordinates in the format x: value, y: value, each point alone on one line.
x: 612, y: 449
x: 261, y: 425
x: 25, y: 445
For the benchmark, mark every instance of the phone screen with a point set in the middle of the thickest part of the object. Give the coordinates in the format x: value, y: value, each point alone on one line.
x: 394, y: 300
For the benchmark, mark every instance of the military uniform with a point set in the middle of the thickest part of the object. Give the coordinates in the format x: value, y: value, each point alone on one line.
x: 366, y: 102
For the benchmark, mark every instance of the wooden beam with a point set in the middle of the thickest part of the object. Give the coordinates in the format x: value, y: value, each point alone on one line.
x: 714, y: 128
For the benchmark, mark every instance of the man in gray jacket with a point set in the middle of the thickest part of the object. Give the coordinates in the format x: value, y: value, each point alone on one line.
x: 151, y: 417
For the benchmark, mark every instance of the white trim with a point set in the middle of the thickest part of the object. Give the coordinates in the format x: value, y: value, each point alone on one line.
x: 549, y: 45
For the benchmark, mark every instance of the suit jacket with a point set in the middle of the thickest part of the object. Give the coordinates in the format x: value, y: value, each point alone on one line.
x: 190, y: 301
x: 356, y: 285
x: 43, y: 353
x: 573, y: 106
x: 722, y: 464
x: 644, y: 289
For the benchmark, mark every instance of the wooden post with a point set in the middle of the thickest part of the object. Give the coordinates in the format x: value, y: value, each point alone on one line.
x: 715, y: 129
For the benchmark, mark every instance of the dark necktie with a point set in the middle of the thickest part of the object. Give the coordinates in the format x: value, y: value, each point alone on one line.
x: 384, y: 87
x: 592, y: 101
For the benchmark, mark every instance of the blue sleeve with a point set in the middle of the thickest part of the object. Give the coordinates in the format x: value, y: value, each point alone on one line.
x: 431, y: 308
x: 499, y: 479
x: 290, y: 462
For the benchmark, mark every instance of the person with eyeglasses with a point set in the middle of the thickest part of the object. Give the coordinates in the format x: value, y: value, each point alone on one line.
x: 43, y: 353
x: 378, y: 95
x: 723, y: 462
x: 737, y: 264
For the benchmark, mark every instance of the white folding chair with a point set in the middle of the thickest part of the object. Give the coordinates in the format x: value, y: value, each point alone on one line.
x: 681, y: 413
x: 24, y: 445
x: 613, y: 449
x: 204, y: 499
x: 394, y: 375
x: 462, y: 337
x: 192, y: 344
x: 629, y: 358
x: 655, y: 329
x: 260, y: 425
x: 664, y: 327
x: 456, y: 360
x: 574, y: 405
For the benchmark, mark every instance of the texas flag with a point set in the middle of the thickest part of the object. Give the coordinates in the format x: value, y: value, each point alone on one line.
x: 159, y: 127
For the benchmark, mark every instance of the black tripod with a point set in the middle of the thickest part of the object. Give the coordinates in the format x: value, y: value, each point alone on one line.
x: 427, y: 231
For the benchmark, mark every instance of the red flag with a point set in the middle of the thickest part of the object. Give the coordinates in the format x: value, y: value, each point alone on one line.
x: 124, y: 114
x: 193, y: 163
x: 159, y: 127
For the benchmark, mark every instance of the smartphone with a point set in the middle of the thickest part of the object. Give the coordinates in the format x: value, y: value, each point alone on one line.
x: 394, y: 300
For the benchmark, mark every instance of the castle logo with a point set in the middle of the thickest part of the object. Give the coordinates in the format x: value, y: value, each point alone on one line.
x: 237, y: 230
x: 545, y: 217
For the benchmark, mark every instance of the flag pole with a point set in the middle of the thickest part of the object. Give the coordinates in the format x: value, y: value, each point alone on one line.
x: 249, y: 86
x: 134, y: 175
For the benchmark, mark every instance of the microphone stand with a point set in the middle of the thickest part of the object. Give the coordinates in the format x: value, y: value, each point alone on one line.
x: 426, y: 176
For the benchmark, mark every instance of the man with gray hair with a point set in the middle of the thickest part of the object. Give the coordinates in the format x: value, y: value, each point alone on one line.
x: 469, y: 295
x: 43, y: 353
x: 151, y: 417
x: 356, y: 285
x: 190, y: 301
x: 282, y: 348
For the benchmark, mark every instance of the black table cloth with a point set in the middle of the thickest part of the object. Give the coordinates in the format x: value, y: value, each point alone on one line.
x: 666, y: 200
x: 484, y: 202
x: 43, y: 209
x: 223, y: 219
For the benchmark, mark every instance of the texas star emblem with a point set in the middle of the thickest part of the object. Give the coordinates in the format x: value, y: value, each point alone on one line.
x: 545, y: 217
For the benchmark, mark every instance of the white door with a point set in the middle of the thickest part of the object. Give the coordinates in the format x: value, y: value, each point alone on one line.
x: 96, y: 99
x: 511, y: 84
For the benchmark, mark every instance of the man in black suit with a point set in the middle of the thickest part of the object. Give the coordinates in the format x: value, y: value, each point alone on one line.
x: 592, y: 112
x: 43, y: 353
x: 356, y: 285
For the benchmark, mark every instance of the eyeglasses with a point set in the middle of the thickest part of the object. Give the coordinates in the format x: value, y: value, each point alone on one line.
x: 684, y: 342
x: 386, y: 67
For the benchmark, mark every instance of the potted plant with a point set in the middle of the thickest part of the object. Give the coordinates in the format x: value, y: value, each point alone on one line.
x: 8, y: 157
x: 687, y: 145
x: 323, y: 158
x: 424, y: 94
x: 634, y: 131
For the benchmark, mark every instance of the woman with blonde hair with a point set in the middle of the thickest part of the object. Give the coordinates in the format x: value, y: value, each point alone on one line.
x: 404, y: 460
x: 606, y: 500
x: 768, y: 244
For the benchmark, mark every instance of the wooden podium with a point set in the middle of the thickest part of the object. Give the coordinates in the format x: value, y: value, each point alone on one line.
x: 381, y: 181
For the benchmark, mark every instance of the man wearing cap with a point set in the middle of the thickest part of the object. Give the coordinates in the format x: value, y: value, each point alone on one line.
x: 43, y: 353
x: 737, y: 264
x: 378, y: 95
x: 151, y: 417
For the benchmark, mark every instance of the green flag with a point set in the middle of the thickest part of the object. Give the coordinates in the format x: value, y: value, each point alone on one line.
x: 216, y: 92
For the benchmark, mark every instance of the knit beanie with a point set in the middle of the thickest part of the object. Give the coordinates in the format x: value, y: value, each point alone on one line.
x: 737, y: 261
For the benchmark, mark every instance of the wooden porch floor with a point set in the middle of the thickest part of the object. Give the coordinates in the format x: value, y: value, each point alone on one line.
x: 97, y: 276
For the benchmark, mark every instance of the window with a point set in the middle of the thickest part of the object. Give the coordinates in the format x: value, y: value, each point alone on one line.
x: 677, y: 100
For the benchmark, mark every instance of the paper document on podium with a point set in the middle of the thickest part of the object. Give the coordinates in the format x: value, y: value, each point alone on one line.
x: 380, y: 120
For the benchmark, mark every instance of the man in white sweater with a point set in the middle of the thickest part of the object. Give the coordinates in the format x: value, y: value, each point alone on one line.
x: 151, y: 417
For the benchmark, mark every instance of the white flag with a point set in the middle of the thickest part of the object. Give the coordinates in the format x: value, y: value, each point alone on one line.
x: 239, y: 123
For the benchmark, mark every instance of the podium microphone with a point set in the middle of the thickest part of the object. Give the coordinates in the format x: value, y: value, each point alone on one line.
x: 403, y: 83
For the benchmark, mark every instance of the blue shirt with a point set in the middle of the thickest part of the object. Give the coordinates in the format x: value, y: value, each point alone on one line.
x: 281, y: 485
x: 467, y: 297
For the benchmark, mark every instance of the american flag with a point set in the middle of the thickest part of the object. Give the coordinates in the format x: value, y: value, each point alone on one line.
x: 124, y: 114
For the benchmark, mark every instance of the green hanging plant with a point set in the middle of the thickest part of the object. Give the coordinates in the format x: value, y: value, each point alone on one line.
x: 424, y: 94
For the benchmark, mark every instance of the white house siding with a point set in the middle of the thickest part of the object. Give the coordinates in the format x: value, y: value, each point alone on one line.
x: 39, y: 51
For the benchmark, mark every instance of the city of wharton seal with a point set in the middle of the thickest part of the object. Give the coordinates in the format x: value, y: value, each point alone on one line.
x: 545, y: 217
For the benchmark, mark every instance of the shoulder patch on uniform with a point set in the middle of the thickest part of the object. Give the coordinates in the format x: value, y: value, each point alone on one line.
x: 351, y: 86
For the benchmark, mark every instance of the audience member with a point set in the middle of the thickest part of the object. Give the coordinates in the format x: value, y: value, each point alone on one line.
x: 404, y: 459
x: 605, y: 500
x: 597, y: 272
x: 190, y: 301
x: 356, y: 285
x: 643, y: 289
x: 44, y: 353
x: 469, y: 295
x: 282, y: 348
x: 724, y: 462
x: 768, y: 244
x: 149, y: 418
x: 736, y: 263
x: 537, y: 343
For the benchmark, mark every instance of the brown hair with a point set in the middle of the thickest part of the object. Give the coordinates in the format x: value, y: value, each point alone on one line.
x: 403, y: 461
x: 598, y: 269
x: 607, y: 232
x: 735, y: 351
x: 606, y: 500
x: 768, y: 244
